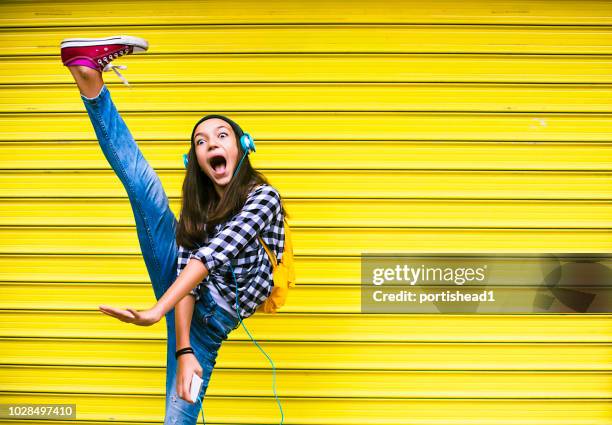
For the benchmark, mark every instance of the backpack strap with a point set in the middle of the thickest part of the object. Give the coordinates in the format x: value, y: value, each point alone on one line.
x: 270, y: 253
x: 288, y: 245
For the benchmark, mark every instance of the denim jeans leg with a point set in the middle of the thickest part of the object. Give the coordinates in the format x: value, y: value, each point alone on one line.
x: 155, y: 222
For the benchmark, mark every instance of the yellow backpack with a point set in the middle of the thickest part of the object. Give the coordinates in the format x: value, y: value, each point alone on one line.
x: 283, y: 274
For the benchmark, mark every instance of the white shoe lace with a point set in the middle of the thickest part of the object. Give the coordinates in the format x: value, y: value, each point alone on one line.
x: 110, y: 66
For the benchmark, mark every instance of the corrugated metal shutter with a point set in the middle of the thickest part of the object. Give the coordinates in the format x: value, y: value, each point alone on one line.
x: 390, y: 126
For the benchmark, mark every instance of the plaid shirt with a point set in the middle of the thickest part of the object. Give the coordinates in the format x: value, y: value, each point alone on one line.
x: 236, y: 241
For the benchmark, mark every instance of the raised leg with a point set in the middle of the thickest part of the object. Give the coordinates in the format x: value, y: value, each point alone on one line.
x: 155, y: 222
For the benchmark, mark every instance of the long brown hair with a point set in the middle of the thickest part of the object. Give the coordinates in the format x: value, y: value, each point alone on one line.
x: 201, y: 207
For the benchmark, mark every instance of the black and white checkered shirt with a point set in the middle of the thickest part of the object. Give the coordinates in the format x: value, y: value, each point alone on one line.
x: 236, y: 241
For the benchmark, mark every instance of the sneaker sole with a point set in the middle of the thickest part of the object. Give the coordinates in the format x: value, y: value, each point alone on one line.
x: 139, y: 44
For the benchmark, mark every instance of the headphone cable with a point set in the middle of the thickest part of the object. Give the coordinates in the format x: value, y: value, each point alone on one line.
x: 261, y: 349
x: 258, y: 346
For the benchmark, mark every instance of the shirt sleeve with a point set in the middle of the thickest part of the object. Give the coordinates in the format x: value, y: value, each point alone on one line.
x: 259, y: 210
x: 183, y: 259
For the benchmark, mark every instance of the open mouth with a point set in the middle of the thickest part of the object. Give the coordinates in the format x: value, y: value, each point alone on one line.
x: 218, y: 164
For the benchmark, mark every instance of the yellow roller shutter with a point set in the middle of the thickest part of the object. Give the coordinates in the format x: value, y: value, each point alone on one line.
x: 391, y: 126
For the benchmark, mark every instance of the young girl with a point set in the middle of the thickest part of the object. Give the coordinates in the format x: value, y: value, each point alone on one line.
x: 213, y: 248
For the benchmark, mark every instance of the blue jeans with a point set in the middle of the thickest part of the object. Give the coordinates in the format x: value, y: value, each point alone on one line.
x: 156, y: 227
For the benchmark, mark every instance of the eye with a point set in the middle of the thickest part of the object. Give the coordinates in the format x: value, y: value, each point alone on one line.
x: 223, y: 133
x: 198, y: 141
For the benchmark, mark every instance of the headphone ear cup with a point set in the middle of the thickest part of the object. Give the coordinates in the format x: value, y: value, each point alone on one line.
x: 185, y: 160
x: 247, y: 143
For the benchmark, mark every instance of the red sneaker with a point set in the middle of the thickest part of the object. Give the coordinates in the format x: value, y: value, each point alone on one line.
x: 98, y: 53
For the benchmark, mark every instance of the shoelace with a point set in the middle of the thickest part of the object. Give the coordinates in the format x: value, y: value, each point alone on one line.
x: 110, y: 66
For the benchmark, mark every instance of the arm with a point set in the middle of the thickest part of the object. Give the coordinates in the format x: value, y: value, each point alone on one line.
x: 193, y: 273
x: 182, y: 321
x: 261, y: 206
x: 183, y: 311
x: 187, y: 364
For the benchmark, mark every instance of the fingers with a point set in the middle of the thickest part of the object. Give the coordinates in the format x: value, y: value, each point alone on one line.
x: 123, y: 315
x: 108, y: 312
x: 180, y: 383
x: 179, y: 387
x: 130, y: 315
x: 116, y: 311
x: 186, y: 367
x: 187, y: 389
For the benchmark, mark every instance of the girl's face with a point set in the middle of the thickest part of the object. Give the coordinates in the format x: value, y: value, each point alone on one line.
x: 216, y: 150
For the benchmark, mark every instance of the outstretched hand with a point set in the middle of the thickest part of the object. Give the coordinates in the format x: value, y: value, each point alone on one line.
x: 129, y: 315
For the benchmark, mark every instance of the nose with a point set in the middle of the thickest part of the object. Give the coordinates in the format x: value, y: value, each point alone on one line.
x: 212, y: 144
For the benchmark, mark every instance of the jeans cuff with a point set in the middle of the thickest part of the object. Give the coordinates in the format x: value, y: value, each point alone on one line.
x: 97, y: 98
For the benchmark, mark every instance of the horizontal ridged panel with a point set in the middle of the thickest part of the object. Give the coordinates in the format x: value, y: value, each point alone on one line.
x: 318, y: 383
x: 324, y: 241
x: 131, y: 268
x: 341, y: 410
x: 312, y: 355
x: 345, y: 184
x: 114, y: 12
x: 338, y: 155
x: 289, y: 67
x: 479, y: 126
x: 341, y: 126
x: 304, y: 299
x: 59, y: 296
x: 330, y: 327
x: 322, y: 97
x: 329, y: 38
x: 338, y: 213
